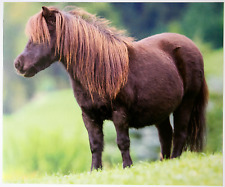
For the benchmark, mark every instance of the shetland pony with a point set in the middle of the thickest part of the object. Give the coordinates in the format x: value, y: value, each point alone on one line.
x: 132, y: 83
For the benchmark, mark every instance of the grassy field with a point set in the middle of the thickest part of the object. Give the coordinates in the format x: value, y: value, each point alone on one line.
x: 190, y: 169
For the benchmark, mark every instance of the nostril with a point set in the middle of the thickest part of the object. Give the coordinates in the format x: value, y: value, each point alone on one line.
x: 17, y: 64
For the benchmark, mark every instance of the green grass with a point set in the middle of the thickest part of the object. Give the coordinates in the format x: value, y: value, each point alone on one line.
x: 190, y: 169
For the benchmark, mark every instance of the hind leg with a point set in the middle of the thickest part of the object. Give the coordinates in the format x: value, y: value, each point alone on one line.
x: 182, y: 117
x: 165, y: 137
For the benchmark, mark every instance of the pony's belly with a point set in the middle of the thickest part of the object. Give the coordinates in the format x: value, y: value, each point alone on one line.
x: 153, y: 105
x: 154, y: 109
x: 148, y: 117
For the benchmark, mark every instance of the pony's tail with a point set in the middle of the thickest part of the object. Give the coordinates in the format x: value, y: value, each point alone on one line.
x: 196, y: 138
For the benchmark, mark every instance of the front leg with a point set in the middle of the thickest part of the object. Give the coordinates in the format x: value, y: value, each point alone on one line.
x: 95, y: 134
x: 123, y: 140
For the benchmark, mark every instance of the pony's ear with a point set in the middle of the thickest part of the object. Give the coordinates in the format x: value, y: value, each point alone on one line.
x: 49, y: 15
x: 46, y: 12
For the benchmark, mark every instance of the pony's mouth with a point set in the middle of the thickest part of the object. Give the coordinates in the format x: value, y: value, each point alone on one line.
x: 28, y: 73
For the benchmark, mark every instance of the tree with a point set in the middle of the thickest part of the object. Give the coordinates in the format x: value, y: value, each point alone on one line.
x: 204, y: 20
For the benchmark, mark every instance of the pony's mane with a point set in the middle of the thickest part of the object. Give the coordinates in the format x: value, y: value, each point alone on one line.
x: 95, y: 53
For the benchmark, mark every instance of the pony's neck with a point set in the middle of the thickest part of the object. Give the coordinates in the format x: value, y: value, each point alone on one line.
x: 96, y: 56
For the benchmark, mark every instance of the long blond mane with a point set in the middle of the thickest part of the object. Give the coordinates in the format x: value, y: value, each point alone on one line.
x: 95, y: 53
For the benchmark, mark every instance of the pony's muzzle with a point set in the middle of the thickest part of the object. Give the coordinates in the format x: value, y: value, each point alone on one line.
x: 24, y: 69
x: 19, y: 65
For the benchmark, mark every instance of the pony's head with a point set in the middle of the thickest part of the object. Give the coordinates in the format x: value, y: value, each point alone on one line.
x: 93, y: 52
x: 39, y: 52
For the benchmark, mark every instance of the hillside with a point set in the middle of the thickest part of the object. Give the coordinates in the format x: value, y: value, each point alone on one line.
x: 190, y: 169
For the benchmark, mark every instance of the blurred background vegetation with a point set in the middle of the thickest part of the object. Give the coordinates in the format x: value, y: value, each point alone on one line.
x: 43, y: 130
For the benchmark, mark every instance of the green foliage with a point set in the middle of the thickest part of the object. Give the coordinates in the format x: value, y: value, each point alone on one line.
x: 206, y: 21
x: 213, y: 63
x: 191, y: 169
x: 145, y: 19
x: 215, y: 123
